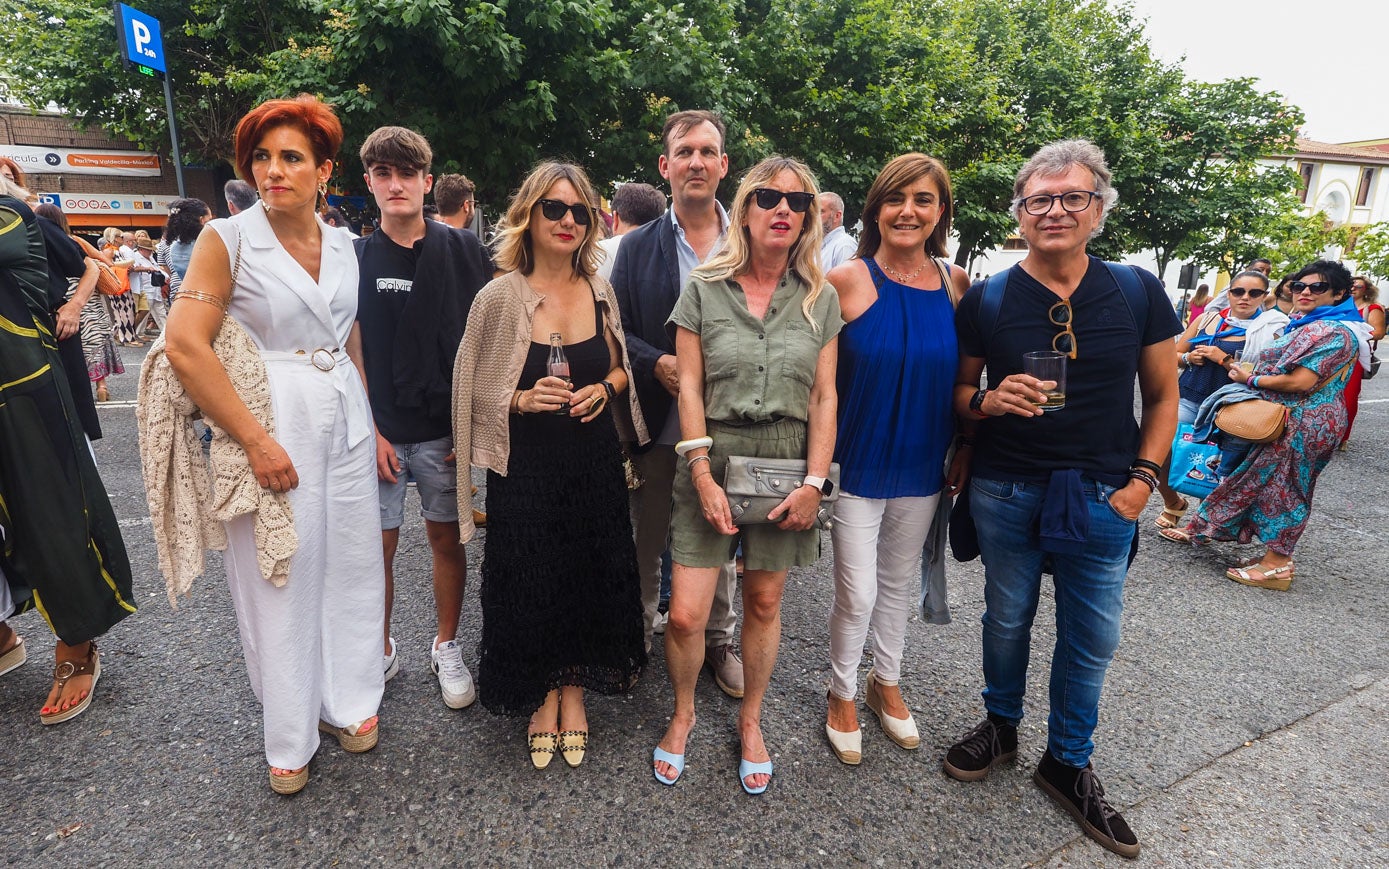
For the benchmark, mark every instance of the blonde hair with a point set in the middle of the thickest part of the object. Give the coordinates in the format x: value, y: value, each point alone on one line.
x: 14, y: 189
x: 110, y: 234
x: 512, y: 245
x: 735, y: 257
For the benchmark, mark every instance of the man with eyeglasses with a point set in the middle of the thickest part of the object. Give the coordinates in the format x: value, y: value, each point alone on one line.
x: 1061, y: 491
x: 651, y: 268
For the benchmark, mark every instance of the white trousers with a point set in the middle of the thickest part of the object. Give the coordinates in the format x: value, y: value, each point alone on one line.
x: 877, y: 576
x: 313, y: 646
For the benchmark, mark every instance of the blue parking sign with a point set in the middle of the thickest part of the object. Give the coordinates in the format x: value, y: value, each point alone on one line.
x: 141, y: 42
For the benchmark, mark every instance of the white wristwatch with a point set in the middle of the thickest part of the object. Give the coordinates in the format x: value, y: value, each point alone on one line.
x: 825, y: 486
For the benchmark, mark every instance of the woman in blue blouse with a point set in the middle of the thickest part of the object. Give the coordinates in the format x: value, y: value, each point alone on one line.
x: 896, y: 374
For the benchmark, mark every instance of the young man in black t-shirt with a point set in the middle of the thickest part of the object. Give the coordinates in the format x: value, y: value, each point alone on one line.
x: 1062, y: 487
x: 418, y: 279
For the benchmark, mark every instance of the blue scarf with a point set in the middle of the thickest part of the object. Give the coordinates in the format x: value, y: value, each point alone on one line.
x: 1346, y: 312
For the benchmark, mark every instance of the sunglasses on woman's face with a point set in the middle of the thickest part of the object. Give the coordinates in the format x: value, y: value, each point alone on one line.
x: 1241, y: 292
x: 1317, y: 288
x: 767, y: 199
x: 553, y: 209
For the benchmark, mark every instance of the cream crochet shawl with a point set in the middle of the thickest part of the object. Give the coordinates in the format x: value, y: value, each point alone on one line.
x: 186, y: 508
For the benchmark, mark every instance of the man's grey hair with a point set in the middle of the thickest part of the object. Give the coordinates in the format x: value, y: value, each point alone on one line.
x: 836, y: 202
x: 240, y: 194
x: 1057, y: 158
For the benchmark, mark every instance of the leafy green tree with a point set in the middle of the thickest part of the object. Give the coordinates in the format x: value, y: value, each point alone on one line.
x: 1371, y: 250
x: 1197, y: 178
x: 65, y: 51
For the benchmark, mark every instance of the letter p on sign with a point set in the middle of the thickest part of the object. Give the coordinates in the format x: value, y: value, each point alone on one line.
x: 143, y: 37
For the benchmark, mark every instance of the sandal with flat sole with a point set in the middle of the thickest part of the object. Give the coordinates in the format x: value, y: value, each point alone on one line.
x: 1170, y: 518
x: 352, y: 737
x: 13, y: 656
x: 542, y: 747
x: 572, y: 745
x: 66, y: 671
x: 1275, y: 578
x: 677, y: 761
x: 1180, y: 535
x: 291, y: 782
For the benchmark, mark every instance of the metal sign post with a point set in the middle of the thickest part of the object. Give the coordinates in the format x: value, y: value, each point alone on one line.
x: 142, y: 49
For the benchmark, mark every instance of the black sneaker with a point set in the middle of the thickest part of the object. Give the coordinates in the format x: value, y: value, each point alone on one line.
x: 1079, y: 792
x: 993, y: 742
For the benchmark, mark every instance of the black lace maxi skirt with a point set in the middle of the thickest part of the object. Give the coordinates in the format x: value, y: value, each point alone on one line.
x: 561, y: 600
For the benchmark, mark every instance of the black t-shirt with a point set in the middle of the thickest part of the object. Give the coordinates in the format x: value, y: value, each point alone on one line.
x: 387, y: 277
x: 1095, y: 432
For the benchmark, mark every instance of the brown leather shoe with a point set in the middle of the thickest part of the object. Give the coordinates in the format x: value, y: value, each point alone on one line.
x: 479, y: 519
x: 727, y: 668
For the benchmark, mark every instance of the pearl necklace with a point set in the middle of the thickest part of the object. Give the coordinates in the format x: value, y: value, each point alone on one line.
x: 901, y: 277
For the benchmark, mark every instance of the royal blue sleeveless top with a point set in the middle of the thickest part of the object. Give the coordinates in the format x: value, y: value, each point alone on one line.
x: 896, y: 381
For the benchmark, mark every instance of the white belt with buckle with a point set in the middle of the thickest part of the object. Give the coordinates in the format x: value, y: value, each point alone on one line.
x: 327, y: 360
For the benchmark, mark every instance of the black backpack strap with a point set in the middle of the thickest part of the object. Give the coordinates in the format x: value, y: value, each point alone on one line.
x: 991, y: 302
x: 1135, y: 297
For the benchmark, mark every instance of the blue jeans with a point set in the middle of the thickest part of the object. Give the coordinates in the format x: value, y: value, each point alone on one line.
x: 1089, y: 604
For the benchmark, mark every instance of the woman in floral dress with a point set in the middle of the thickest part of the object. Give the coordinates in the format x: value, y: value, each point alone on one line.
x: 1269, y: 496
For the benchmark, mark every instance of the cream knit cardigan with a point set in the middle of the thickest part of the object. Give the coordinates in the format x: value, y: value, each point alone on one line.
x: 486, y: 371
x: 186, y: 508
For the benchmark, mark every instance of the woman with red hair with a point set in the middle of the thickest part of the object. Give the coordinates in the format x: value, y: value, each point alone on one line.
x: 291, y: 283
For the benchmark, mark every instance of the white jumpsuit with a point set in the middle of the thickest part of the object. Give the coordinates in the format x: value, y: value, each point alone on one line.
x: 312, y: 647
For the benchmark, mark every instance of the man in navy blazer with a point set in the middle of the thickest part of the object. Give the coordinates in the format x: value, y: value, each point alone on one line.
x: 652, y: 265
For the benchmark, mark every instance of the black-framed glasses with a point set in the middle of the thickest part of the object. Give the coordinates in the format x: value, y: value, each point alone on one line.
x: 553, y: 209
x: 1065, y: 340
x: 1241, y: 292
x: 1317, y: 287
x: 1071, y: 200
x: 767, y: 199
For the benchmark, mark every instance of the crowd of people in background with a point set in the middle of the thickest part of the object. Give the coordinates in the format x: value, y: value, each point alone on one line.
x: 624, y: 379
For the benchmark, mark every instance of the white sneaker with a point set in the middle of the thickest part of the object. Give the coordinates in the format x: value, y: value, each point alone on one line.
x: 392, y: 662
x: 658, y: 624
x: 446, y: 660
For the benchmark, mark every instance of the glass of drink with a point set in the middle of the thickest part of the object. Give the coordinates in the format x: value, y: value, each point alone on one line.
x: 1048, y: 365
x: 558, y: 366
x: 1245, y: 362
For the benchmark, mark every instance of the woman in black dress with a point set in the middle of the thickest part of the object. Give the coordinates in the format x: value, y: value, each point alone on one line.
x: 561, y: 604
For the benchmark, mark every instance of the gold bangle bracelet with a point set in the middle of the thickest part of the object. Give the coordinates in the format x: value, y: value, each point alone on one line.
x: 201, y: 297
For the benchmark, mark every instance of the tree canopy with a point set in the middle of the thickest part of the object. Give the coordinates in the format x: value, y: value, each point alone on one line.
x: 843, y: 84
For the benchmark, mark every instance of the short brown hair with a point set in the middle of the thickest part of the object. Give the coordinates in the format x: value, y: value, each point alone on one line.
x: 396, y: 146
x: 306, y: 113
x: 896, y: 175
x: 451, y: 191
x: 512, y: 245
x: 680, y: 122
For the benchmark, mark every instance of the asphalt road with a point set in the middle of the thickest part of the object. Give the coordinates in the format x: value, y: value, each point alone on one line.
x: 1239, y: 727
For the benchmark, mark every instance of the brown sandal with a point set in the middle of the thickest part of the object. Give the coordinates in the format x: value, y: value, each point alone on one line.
x: 290, y: 781
x: 68, y: 670
x: 355, y: 738
x: 13, y: 656
x: 1181, y: 535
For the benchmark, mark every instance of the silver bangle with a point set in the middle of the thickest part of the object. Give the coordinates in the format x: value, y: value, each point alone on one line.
x: 692, y: 461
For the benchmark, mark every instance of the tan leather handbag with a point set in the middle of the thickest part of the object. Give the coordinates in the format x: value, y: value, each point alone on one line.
x: 1257, y: 420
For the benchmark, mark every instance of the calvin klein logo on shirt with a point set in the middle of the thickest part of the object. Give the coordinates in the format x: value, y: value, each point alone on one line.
x: 393, y: 285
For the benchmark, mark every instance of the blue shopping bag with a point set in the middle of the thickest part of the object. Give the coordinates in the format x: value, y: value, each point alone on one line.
x: 1194, y: 464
